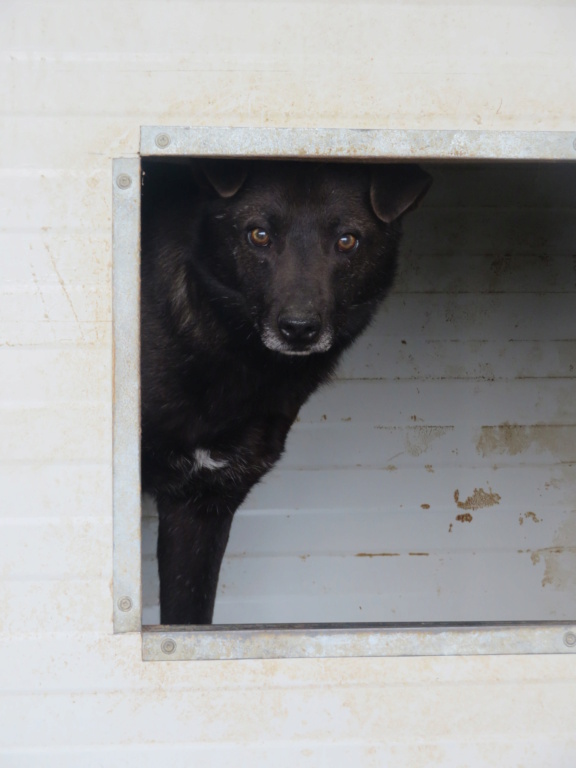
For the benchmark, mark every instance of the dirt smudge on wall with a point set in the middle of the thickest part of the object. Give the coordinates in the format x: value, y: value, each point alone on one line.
x: 478, y: 500
x: 559, y: 559
x: 559, y: 571
x: 529, y: 516
x: 499, y: 266
x: 419, y: 439
x: 378, y: 554
x: 513, y: 439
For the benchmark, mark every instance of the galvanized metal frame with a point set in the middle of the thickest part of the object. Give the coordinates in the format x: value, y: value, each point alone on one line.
x: 283, y: 641
x: 126, y: 461
x: 355, y: 144
x: 275, y: 641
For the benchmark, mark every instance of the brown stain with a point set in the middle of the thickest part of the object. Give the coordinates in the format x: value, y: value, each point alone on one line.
x: 532, y: 516
x: 450, y: 528
x: 425, y: 506
x: 535, y: 557
x: 429, y: 468
x: 419, y: 554
x: 465, y: 518
x: 555, y: 572
x: 554, y: 483
x: 377, y: 554
x: 558, y: 573
x: 513, y: 439
x: 419, y: 439
x: 560, y: 560
x: 479, y: 499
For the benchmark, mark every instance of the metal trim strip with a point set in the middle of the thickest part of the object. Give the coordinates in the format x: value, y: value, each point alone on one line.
x: 355, y: 640
x: 356, y: 144
x: 126, y: 436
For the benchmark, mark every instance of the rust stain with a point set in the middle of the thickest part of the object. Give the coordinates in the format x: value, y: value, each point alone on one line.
x: 512, y: 439
x: 425, y: 506
x: 419, y: 554
x: 465, y: 518
x: 378, y: 554
x: 479, y: 499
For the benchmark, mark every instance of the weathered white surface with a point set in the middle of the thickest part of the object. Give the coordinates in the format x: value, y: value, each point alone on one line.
x: 78, y: 80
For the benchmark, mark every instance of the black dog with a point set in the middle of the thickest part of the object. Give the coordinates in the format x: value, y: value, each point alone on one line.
x: 255, y: 278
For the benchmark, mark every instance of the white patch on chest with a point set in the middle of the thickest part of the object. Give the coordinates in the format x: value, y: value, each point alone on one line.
x: 203, y: 460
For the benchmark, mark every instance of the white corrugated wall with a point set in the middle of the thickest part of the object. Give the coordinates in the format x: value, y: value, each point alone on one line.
x: 78, y: 80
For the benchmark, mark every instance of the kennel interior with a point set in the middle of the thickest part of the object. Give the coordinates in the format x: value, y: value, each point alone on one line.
x: 434, y: 479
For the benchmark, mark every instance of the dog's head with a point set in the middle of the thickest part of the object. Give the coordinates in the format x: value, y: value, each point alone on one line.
x: 311, y: 247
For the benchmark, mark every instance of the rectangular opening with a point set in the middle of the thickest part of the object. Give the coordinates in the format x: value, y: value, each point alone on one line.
x: 426, y: 501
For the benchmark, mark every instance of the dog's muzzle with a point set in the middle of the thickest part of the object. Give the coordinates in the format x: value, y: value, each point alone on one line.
x: 299, y: 330
x: 297, y: 333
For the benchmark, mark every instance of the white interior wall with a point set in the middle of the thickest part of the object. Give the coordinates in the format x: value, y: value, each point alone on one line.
x: 78, y: 80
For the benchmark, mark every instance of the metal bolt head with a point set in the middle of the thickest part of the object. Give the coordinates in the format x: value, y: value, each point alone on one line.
x: 168, y: 645
x: 125, y: 604
x: 162, y: 140
x: 570, y: 639
x: 123, y: 181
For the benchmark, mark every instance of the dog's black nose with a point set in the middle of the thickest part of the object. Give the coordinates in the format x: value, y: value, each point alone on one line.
x: 299, y: 328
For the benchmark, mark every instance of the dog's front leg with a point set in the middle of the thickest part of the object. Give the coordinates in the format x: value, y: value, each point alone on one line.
x: 192, y: 537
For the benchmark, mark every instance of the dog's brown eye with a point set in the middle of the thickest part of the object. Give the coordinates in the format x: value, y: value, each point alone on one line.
x: 259, y: 237
x: 347, y: 243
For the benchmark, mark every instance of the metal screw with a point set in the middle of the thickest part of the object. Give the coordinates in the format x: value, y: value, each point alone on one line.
x: 162, y: 140
x: 168, y: 645
x: 123, y: 181
x: 125, y: 604
x: 570, y: 639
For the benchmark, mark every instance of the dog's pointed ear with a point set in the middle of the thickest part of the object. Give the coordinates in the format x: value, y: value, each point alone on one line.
x: 226, y: 176
x: 397, y: 188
